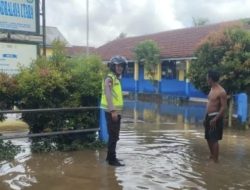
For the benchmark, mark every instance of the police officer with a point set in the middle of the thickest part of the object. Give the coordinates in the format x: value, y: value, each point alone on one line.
x: 112, y: 103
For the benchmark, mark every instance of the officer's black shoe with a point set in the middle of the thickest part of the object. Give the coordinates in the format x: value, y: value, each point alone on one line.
x: 117, y: 159
x: 116, y: 163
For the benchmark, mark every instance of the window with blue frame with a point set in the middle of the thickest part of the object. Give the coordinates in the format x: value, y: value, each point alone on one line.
x: 130, y: 70
x: 168, y: 70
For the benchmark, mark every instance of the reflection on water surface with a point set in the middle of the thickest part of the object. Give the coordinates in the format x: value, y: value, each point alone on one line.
x: 162, y: 146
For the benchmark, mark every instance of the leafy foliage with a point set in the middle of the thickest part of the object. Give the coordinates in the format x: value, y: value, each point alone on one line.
x: 148, y: 53
x: 59, y: 82
x: 8, y: 94
x: 70, y: 142
x: 227, y: 51
x: 199, y: 21
x: 8, y: 150
x: 122, y: 35
x: 8, y: 91
x: 87, y: 75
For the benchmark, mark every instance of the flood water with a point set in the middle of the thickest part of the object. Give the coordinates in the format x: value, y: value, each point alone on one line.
x: 162, y: 146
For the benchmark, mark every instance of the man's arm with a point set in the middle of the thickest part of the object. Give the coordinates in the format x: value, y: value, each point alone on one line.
x: 223, y: 104
x: 108, y: 93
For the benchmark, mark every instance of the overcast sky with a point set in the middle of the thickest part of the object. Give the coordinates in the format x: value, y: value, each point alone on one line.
x: 109, y: 18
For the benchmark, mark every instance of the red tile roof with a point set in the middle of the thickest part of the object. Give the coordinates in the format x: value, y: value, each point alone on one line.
x: 180, y: 43
x: 79, y: 50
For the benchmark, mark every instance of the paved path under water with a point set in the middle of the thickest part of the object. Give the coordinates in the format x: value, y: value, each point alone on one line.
x: 166, y: 152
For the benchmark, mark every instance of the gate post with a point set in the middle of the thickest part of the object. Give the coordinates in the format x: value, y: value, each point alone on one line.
x: 103, y: 133
x: 242, y: 107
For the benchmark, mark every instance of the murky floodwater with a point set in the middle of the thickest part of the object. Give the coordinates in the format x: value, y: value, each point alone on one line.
x: 162, y: 146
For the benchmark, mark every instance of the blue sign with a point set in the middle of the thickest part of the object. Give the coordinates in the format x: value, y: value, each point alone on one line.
x: 21, y: 15
x: 10, y: 56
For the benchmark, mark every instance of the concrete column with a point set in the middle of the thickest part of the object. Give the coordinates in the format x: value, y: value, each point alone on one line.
x: 187, y: 89
x: 159, y: 77
x: 136, y: 76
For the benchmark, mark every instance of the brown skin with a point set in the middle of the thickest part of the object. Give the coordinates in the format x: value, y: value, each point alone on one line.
x: 118, y: 72
x: 217, y: 102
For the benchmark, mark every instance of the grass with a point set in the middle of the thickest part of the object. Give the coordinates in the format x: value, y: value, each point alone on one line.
x: 12, y: 125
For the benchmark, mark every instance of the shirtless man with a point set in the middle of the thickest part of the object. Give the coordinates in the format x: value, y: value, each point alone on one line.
x: 213, y: 123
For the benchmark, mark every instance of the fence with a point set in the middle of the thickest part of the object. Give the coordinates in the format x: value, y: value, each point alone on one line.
x: 102, y: 123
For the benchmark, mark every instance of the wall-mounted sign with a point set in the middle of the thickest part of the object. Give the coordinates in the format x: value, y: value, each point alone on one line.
x: 13, y: 55
x: 20, y: 16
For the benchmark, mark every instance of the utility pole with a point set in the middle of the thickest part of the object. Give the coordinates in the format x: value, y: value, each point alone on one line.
x: 87, y: 26
x: 44, y: 27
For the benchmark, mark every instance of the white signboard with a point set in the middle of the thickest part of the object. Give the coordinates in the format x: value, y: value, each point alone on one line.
x: 19, y: 15
x: 12, y: 55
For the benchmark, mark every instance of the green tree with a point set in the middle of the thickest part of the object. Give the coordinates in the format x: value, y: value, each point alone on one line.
x: 199, y: 21
x: 227, y: 51
x: 148, y: 53
x: 8, y: 91
x: 59, y: 53
x: 122, y: 35
x: 8, y: 94
x: 61, y: 82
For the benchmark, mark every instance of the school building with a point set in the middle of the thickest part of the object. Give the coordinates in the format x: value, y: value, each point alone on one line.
x: 177, y: 49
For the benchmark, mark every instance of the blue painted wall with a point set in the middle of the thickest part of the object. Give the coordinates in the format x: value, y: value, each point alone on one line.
x: 172, y: 87
x: 193, y: 92
x: 128, y: 84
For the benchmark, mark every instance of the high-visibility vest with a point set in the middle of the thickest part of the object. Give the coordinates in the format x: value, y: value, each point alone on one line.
x: 116, y: 92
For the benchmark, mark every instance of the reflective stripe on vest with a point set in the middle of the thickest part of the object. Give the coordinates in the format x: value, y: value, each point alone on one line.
x: 117, y: 98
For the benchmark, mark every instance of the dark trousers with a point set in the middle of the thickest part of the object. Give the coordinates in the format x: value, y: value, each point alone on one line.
x: 113, y: 132
x: 213, y: 134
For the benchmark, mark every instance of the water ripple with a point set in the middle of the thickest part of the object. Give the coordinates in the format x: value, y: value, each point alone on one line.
x: 157, y: 159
